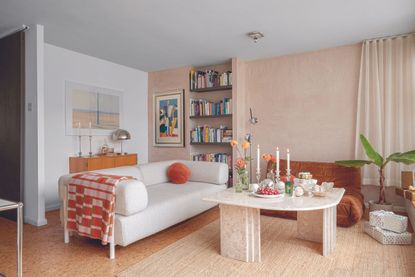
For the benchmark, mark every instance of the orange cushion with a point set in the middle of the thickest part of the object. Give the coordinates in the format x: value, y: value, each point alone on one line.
x: 178, y: 173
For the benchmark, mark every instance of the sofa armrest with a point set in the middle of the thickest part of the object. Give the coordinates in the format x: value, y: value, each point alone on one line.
x: 208, y: 172
x: 131, y: 195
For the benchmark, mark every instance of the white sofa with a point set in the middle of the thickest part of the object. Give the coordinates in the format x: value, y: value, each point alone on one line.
x: 151, y: 203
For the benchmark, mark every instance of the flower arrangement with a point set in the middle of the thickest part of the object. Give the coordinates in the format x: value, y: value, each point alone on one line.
x: 241, y: 165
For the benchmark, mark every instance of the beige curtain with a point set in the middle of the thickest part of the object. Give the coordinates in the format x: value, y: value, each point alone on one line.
x: 386, y: 102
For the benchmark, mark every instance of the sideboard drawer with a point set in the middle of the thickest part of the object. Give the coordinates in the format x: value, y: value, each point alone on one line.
x: 79, y: 164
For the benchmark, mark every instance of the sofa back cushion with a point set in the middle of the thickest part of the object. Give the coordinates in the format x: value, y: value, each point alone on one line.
x: 343, y: 177
x: 132, y: 171
x: 155, y: 173
x: 208, y: 172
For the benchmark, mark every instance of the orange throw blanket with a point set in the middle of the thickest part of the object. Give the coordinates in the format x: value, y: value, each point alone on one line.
x: 91, y: 205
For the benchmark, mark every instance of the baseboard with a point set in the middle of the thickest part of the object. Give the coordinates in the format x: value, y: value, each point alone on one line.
x: 52, y: 207
x: 35, y: 222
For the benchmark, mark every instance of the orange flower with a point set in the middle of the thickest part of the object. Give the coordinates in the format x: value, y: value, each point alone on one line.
x: 267, y: 157
x: 234, y: 143
x: 245, y: 145
x: 240, y: 163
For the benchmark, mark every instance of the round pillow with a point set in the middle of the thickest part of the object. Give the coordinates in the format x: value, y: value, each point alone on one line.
x: 178, y: 173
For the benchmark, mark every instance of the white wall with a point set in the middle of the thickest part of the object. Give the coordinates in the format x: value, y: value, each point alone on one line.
x: 64, y: 65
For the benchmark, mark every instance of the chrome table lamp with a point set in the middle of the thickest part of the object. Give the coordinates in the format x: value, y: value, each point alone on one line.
x: 121, y: 135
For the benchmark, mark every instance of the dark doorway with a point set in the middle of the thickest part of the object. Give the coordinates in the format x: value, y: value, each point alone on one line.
x: 12, y: 87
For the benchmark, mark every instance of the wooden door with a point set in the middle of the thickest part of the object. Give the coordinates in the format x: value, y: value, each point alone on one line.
x: 12, y: 67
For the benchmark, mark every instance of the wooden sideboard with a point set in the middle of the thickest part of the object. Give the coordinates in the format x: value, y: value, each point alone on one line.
x: 79, y: 164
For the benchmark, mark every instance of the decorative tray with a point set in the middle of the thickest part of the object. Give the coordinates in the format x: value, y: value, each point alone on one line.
x: 267, y: 195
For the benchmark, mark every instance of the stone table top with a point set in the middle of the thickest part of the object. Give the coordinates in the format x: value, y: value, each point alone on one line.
x: 286, y: 203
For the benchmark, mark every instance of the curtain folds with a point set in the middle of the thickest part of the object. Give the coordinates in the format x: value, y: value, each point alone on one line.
x: 386, y: 102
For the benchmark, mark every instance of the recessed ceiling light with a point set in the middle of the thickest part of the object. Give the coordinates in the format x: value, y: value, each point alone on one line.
x: 255, y: 36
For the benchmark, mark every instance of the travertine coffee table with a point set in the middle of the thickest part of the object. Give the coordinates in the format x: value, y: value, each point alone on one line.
x: 240, y: 236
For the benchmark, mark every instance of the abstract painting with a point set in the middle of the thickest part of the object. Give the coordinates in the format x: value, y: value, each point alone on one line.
x: 91, y: 109
x: 168, y: 119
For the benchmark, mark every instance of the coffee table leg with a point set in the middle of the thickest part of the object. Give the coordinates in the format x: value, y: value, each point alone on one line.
x: 240, y: 233
x: 318, y: 226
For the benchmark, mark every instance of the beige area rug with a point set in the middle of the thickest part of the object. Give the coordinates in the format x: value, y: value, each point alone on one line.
x: 356, y: 254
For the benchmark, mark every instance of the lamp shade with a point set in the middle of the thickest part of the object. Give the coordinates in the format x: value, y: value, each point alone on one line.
x: 121, y: 134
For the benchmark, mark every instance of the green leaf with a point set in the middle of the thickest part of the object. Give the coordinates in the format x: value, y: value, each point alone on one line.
x: 370, y: 151
x: 353, y: 163
x: 408, y: 155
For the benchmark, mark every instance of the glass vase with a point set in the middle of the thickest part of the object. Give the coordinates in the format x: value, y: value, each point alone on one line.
x: 242, y: 183
x: 244, y: 179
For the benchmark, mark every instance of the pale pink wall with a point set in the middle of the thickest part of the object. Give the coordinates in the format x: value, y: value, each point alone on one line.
x: 306, y: 102
x: 161, y: 81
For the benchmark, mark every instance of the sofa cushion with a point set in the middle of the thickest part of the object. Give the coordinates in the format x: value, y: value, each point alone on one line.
x: 178, y: 173
x: 155, y: 173
x: 208, y: 172
x: 168, y: 205
x: 132, y: 171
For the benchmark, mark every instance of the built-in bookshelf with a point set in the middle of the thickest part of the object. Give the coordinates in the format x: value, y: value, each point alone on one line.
x: 211, y: 109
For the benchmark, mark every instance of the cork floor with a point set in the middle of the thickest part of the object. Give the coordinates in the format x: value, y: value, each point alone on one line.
x: 45, y: 254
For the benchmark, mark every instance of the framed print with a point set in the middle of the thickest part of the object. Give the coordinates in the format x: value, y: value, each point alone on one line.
x: 91, y: 109
x: 169, y: 119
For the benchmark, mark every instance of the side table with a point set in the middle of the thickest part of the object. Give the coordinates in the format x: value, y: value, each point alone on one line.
x: 9, y: 205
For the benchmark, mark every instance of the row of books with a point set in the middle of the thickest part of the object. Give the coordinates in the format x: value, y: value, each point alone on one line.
x: 214, y: 157
x: 207, y: 134
x: 204, y: 107
x: 209, y: 78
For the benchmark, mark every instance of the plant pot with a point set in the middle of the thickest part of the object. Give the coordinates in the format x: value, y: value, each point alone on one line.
x: 377, y: 207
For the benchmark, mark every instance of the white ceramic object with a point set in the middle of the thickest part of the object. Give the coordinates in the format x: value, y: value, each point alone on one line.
x: 299, y: 191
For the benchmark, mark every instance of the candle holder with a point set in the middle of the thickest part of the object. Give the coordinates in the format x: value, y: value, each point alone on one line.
x: 80, y: 146
x: 258, y: 176
x: 90, y: 146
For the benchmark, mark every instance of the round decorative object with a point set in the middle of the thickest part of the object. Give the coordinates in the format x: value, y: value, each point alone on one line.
x: 266, y: 183
x: 178, y: 173
x: 280, y: 186
x: 298, y: 191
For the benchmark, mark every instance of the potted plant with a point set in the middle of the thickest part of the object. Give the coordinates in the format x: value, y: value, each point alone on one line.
x: 376, y: 159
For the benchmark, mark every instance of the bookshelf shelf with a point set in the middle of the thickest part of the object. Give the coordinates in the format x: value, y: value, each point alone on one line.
x: 218, y: 88
x: 211, y: 143
x: 211, y: 116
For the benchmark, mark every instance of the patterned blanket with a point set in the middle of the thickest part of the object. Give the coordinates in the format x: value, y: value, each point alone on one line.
x: 91, y: 204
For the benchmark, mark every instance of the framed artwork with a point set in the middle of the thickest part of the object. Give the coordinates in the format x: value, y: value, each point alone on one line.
x: 169, y: 119
x: 91, y: 110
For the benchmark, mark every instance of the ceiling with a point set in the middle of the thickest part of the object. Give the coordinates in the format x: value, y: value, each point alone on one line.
x: 157, y: 34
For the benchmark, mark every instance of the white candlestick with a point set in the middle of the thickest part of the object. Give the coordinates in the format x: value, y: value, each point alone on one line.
x: 288, y: 161
x: 258, y: 155
x: 277, y: 162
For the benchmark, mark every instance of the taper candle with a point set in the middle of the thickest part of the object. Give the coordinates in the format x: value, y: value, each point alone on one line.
x: 288, y: 160
x: 277, y: 162
x: 258, y: 155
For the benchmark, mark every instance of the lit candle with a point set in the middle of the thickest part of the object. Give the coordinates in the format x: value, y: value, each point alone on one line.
x: 288, y: 161
x: 277, y: 162
x: 90, y: 128
x: 258, y: 154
